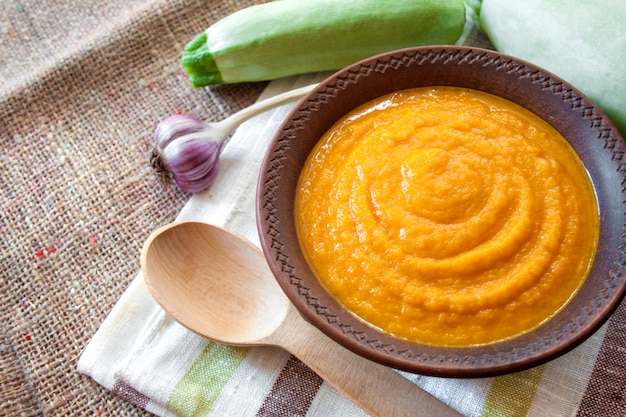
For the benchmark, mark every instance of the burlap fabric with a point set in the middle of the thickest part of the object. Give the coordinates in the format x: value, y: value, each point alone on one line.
x: 82, y: 87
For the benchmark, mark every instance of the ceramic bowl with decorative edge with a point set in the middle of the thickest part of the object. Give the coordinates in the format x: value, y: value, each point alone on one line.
x: 587, y: 129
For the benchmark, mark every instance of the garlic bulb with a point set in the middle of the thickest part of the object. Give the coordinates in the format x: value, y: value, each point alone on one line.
x: 188, y: 149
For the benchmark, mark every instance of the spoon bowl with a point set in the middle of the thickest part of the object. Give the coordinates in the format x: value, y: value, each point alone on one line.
x: 219, y: 285
x: 180, y: 270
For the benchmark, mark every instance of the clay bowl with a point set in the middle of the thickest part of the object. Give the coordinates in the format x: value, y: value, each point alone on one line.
x: 591, y: 134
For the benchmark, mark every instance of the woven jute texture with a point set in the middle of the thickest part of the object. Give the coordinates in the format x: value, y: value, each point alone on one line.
x: 82, y: 88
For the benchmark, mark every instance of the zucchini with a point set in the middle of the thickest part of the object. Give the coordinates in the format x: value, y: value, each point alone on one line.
x: 288, y: 37
x: 583, y: 42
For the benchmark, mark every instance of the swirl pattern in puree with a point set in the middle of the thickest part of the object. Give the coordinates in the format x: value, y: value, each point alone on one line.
x: 447, y: 216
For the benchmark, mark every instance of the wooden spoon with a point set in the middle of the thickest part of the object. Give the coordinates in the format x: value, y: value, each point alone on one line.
x: 219, y: 285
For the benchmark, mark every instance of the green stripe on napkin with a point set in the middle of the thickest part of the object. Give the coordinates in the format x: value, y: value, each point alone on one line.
x: 195, y: 393
x: 512, y: 395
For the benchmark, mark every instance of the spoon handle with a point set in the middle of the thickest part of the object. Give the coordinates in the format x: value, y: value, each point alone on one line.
x: 379, y: 390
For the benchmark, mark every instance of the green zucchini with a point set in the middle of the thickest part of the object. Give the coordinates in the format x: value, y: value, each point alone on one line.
x: 288, y: 37
x: 583, y: 42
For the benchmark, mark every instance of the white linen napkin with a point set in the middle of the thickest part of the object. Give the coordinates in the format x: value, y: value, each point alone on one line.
x: 143, y: 355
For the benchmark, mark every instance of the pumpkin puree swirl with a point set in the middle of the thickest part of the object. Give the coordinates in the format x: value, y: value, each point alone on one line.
x: 447, y: 216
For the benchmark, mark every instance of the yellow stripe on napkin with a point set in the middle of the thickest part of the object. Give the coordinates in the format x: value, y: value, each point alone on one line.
x: 198, y: 389
x: 512, y: 395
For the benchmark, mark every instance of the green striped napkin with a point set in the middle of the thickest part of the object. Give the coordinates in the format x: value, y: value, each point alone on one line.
x: 143, y: 355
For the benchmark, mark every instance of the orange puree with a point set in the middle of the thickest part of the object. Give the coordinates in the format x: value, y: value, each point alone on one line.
x: 447, y: 216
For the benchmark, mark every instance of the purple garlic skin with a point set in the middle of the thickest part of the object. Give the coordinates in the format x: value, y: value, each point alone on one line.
x: 187, y: 151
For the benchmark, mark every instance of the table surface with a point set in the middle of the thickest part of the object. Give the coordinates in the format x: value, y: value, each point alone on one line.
x: 83, y: 85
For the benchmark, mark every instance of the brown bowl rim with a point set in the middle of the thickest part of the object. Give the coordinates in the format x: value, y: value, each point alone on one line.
x: 589, y: 131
